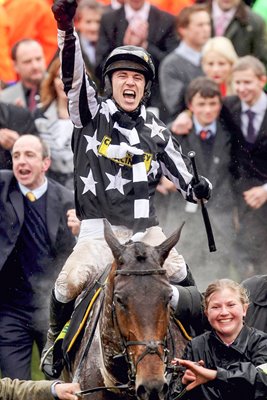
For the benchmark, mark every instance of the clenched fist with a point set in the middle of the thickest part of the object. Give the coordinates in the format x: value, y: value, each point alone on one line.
x: 64, y: 11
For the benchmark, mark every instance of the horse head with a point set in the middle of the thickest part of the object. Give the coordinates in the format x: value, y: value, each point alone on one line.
x: 140, y: 296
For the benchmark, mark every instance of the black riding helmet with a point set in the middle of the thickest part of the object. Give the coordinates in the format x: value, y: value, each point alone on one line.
x: 131, y: 58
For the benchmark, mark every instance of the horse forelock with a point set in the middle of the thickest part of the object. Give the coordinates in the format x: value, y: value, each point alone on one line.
x: 139, y: 256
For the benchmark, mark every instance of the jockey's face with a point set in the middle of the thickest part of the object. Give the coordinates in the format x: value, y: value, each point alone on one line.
x: 29, y: 165
x: 128, y: 89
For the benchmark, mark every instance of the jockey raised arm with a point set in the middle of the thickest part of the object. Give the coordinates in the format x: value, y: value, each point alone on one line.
x: 121, y: 151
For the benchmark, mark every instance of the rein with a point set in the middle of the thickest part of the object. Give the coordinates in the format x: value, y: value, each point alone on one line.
x: 136, y: 272
x: 151, y: 346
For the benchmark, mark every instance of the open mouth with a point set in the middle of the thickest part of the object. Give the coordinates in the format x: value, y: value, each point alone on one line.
x: 24, y: 172
x: 129, y: 94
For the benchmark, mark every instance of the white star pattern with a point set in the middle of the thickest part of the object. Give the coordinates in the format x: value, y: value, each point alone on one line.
x: 154, y: 168
x: 156, y: 129
x: 117, y: 182
x: 92, y: 143
x: 105, y: 110
x: 89, y: 183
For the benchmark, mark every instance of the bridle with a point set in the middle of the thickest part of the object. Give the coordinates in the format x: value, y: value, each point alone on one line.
x: 151, y: 346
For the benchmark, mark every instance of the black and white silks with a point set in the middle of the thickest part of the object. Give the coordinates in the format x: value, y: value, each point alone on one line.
x: 118, y: 161
x: 129, y: 128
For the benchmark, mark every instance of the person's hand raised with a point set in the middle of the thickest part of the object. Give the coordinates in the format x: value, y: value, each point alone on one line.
x: 64, y: 11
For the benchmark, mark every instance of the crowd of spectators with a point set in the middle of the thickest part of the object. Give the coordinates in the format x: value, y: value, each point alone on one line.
x: 210, y: 58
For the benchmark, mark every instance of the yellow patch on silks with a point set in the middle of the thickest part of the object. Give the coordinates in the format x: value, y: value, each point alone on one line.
x: 127, y: 161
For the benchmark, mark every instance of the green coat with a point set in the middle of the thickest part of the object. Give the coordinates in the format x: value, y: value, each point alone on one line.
x: 260, y: 7
x: 25, y: 390
x: 247, y: 32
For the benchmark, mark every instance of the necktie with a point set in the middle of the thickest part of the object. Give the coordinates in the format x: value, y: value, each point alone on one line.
x: 30, y: 196
x: 204, y: 134
x: 251, y: 132
x: 32, y: 100
x: 220, y: 25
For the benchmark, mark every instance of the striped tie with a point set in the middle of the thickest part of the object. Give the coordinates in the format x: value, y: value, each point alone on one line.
x: 30, y: 196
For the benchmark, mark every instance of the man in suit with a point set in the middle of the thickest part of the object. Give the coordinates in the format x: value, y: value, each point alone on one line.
x: 36, y: 238
x: 87, y: 23
x: 140, y: 24
x: 14, y: 121
x: 246, y: 29
x: 29, y: 64
x: 211, y: 143
x: 184, y: 63
x: 246, y: 115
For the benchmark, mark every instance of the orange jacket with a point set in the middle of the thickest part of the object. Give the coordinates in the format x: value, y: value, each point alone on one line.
x: 32, y: 19
x: 7, y: 74
x: 171, y: 6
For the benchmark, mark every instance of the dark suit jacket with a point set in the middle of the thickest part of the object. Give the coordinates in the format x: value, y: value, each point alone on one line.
x: 18, y: 119
x: 247, y: 163
x: 90, y: 68
x: 213, y: 162
x: 247, y: 32
x: 257, y: 310
x: 59, y: 200
x: 249, y: 169
x: 162, y: 40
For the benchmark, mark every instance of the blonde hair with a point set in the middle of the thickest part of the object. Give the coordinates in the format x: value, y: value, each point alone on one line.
x: 224, y: 47
x: 250, y: 62
x: 220, y: 284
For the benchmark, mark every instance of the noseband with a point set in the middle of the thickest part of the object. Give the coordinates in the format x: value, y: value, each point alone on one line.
x: 151, y: 346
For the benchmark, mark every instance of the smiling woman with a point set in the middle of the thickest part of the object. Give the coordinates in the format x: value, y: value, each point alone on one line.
x: 231, y: 353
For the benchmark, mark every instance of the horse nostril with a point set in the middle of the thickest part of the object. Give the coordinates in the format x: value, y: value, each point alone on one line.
x: 165, y: 388
x: 141, y: 391
x: 144, y: 393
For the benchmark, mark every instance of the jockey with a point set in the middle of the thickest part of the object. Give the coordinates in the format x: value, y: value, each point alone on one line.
x: 121, y: 150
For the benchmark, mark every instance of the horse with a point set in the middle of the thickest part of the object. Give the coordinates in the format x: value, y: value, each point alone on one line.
x: 128, y: 341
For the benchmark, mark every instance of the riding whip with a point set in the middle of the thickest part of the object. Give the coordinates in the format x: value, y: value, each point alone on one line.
x: 206, y: 219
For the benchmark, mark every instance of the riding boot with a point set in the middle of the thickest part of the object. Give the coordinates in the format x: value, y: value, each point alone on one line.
x: 60, y: 313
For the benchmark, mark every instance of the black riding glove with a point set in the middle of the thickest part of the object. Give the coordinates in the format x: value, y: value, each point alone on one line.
x: 64, y: 11
x: 202, y: 188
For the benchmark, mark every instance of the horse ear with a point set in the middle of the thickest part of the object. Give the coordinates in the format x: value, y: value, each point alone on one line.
x: 115, y: 246
x: 165, y: 247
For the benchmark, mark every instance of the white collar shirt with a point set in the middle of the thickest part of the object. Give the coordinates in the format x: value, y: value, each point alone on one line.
x: 211, y: 127
x: 141, y: 14
x: 37, y: 192
x: 188, y: 53
x: 259, y: 108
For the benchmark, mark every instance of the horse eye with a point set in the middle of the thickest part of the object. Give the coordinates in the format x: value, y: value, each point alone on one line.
x: 120, y: 260
x: 118, y: 300
x: 168, y: 298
